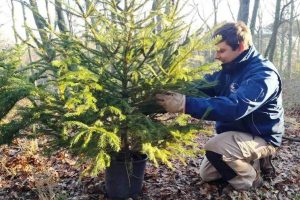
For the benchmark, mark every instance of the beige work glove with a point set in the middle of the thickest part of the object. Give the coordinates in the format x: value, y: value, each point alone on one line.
x: 172, y: 102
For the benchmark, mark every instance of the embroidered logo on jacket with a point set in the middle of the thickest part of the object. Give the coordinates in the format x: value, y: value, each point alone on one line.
x: 233, y: 87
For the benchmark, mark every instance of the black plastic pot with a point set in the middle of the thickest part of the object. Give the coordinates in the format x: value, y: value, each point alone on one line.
x: 125, y: 179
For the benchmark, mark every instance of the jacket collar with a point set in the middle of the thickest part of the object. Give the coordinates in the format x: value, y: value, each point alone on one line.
x: 240, y: 61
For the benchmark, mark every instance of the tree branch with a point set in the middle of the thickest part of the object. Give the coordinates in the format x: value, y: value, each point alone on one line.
x: 294, y: 139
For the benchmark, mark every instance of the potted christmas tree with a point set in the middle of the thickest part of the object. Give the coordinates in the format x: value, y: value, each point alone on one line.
x: 100, y: 94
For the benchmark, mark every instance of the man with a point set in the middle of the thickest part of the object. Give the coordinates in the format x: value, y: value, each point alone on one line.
x: 246, y: 104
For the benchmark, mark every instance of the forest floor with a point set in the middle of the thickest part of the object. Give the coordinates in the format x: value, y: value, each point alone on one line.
x: 27, y: 173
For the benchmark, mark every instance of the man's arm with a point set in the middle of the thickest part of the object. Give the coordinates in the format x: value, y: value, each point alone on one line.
x: 206, y: 86
x: 251, y: 94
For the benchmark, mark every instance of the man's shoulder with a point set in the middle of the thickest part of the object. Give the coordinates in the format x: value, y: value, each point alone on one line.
x: 261, y: 70
x: 261, y: 64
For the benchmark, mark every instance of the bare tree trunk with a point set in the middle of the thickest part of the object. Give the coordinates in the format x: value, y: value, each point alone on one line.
x: 210, y: 54
x: 298, y: 49
x: 94, y: 21
x: 14, y: 21
x: 254, y: 15
x: 230, y: 10
x: 48, y: 12
x: 272, y: 42
x: 40, y: 23
x: 260, y: 31
x: 243, y: 14
x: 157, y: 19
x: 216, y: 7
x: 290, y: 48
x: 27, y: 35
x: 215, y: 12
x: 87, y: 6
x: 48, y: 17
x: 169, y: 5
x: 282, y: 49
x: 113, y: 16
x: 69, y: 17
x: 60, y: 16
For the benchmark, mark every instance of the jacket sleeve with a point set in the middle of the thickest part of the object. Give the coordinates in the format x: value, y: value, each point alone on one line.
x: 252, y: 93
x: 208, y: 85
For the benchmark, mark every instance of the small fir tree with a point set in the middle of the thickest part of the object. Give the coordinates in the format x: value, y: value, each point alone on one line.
x: 14, y: 86
x: 99, y: 94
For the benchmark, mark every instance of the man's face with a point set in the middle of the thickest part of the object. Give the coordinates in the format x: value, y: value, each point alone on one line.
x: 225, y: 54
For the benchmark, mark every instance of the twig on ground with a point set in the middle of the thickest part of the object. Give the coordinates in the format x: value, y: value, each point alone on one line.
x: 294, y: 139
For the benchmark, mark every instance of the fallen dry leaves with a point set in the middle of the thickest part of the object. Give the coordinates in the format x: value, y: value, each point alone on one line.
x: 25, y: 173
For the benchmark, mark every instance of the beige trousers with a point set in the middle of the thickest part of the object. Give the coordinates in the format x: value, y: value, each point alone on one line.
x: 238, y: 149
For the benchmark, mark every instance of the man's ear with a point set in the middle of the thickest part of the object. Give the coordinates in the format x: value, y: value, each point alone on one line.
x: 242, y: 47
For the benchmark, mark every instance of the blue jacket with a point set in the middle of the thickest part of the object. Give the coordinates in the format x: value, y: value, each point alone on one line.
x: 246, y: 98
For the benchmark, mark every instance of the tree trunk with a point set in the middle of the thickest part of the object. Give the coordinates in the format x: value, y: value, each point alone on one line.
x: 260, y: 32
x: 282, y: 49
x: 216, y: 7
x: 94, y: 22
x: 169, y: 5
x: 290, y: 48
x: 230, y: 10
x: 243, y: 14
x: 27, y: 35
x: 48, y: 12
x: 272, y: 42
x: 254, y: 15
x: 157, y: 19
x: 69, y: 18
x: 48, y: 17
x: 41, y: 25
x: 60, y: 16
x: 87, y: 5
x: 298, y: 49
x: 14, y: 21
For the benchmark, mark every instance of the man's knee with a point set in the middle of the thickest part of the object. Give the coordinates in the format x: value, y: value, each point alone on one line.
x: 211, y: 144
x: 219, y: 143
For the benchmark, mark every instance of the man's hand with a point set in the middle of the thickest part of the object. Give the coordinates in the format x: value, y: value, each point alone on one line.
x: 172, y: 102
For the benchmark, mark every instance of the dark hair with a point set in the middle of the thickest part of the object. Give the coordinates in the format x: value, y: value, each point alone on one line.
x: 234, y: 33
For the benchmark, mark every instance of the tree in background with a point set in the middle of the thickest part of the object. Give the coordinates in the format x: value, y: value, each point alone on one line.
x: 291, y: 46
x: 42, y: 26
x: 243, y: 14
x: 13, y: 20
x: 60, y: 16
x: 279, y: 19
x: 14, y: 86
x: 254, y: 16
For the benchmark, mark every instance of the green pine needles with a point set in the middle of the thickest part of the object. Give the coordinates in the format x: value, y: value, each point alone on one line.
x: 14, y: 86
x: 98, y: 96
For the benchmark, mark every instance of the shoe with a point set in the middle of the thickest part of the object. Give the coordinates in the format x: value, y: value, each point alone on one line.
x: 258, y: 182
x: 220, y: 184
x: 267, y: 168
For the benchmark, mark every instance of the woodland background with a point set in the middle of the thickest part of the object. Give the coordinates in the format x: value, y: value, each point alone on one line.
x: 28, y: 172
